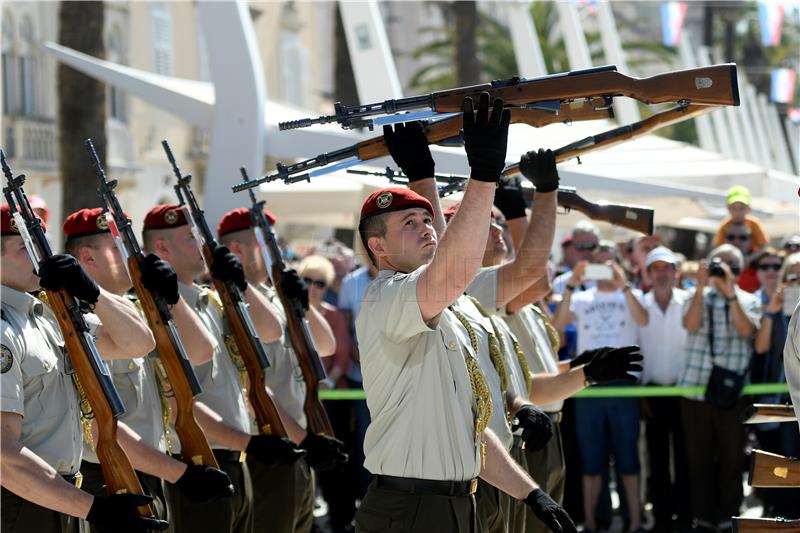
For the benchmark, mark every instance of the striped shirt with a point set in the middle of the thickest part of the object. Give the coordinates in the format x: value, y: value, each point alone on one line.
x: 731, y: 351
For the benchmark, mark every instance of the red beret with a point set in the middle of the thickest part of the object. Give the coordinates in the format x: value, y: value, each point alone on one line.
x: 165, y: 216
x: 393, y: 199
x: 239, y: 219
x: 9, y: 225
x: 86, y: 222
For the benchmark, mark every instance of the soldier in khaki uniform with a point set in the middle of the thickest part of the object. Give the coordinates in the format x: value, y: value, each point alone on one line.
x: 430, y: 403
x: 42, y: 437
x: 283, y: 495
x: 222, y: 408
x: 147, y: 411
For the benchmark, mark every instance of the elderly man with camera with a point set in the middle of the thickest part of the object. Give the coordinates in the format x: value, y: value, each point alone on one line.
x: 721, y: 320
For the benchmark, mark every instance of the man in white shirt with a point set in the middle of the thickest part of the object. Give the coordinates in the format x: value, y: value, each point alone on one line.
x: 661, y: 341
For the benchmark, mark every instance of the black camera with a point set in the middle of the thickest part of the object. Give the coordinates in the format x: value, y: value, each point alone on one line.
x: 715, y: 268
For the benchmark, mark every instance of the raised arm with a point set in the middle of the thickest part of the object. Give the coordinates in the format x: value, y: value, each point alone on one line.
x: 460, y: 252
x: 563, y: 316
x: 123, y: 333
x: 693, y: 317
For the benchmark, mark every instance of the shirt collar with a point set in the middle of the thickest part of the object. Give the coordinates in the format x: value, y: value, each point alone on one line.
x: 22, y: 302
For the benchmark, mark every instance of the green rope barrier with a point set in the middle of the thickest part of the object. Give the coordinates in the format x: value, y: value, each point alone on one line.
x: 602, y: 392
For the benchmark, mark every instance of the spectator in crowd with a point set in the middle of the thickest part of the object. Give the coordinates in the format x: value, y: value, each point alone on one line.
x: 569, y: 256
x: 661, y: 342
x: 606, y: 315
x: 779, y: 284
x: 336, y: 484
x: 791, y: 244
x: 584, y: 241
x: 341, y: 257
x: 641, y: 247
x: 738, y: 201
x: 720, y: 320
x: 687, y: 277
x: 740, y: 236
x: 350, y: 294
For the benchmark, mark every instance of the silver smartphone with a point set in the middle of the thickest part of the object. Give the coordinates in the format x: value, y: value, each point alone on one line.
x: 598, y: 272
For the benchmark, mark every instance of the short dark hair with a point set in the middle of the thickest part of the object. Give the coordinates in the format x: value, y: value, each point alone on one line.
x: 73, y: 244
x: 374, y: 226
x: 227, y: 238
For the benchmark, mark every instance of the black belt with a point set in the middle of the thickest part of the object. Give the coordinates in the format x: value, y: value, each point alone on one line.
x: 74, y: 479
x: 426, y: 486
x: 222, y: 456
x: 555, y: 417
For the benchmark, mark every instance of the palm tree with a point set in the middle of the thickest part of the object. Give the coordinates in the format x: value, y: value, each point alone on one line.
x: 81, y: 104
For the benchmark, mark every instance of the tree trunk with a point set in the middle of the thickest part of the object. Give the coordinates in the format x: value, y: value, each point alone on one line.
x: 344, y: 81
x: 81, y: 105
x: 468, y: 66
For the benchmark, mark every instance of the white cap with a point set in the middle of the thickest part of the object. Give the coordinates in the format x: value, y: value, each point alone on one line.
x: 662, y: 253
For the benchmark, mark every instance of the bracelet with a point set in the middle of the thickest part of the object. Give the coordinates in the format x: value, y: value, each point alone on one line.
x: 773, y: 316
x: 569, y: 288
x: 732, y: 298
x: 627, y: 288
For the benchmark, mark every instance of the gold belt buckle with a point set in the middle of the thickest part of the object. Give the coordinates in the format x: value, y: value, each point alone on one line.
x: 242, y: 456
x: 473, y: 486
x: 77, y: 480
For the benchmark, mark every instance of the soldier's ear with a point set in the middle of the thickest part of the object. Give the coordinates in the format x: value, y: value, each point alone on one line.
x: 376, y: 246
x: 161, y: 249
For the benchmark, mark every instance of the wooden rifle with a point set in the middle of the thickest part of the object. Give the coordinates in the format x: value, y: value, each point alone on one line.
x: 762, y: 413
x: 636, y: 218
x: 445, y: 131
x: 764, y: 525
x: 83, y: 358
x: 180, y: 373
x: 772, y: 470
x: 712, y: 85
x: 296, y: 323
x: 247, y: 341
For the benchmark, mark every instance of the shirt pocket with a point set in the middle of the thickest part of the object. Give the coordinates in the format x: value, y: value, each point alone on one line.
x: 128, y: 376
x: 39, y: 368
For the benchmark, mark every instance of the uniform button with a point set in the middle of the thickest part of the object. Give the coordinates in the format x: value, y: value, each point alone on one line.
x: 131, y: 366
x: 452, y: 345
x: 47, y: 366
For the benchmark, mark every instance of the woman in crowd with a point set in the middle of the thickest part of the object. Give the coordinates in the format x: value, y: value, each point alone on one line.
x: 780, y: 284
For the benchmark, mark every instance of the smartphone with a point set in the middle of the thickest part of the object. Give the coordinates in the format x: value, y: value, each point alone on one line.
x: 791, y: 295
x: 598, y: 272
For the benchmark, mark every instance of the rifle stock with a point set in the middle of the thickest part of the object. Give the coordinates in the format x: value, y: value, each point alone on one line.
x: 636, y: 218
x: 772, y: 470
x: 761, y: 413
x: 296, y: 323
x: 234, y: 308
x: 91, y: 372
x: 764, y: 525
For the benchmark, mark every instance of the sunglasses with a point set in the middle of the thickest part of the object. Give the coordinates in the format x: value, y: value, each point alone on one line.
x: 585, y: 247
x: 734, y: 237
x: 315, y: 282
x: 792, y: 247
x: 769, y: 266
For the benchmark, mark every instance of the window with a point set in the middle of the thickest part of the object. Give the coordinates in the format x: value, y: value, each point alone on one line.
x: 9, y: 64
x: 161, y: 25
x: 116, y: 97
x: 293, y: 59
x: 27, y: 69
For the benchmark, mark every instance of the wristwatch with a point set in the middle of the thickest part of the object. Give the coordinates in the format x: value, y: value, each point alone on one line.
x: 569, y: 287
x: 731, y: 298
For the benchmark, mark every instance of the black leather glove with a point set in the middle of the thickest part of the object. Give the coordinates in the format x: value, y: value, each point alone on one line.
x: 485, y: 138
x: 586, y: 357
x: 227, y: 267
x: 204, y: 484
x: 548, y: 511
x: 117, y: 514
x: 614, y: 365
x: 160, y: 278
x: 409, y: 149
x: 540, y: 168
x: 509, y: 200
x: 537, y: 428
x: 273, y: 451
x: 294, y: 287
x: 324, y: 452
x: 62, y: 271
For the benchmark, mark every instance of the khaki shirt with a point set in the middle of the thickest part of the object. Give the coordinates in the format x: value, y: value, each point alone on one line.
x: 482, y: 327
x: 219, y: 378
x: 531, y: 333
x: 34, y: 384
x: 284, y: 376
x: 417, y: 385
x: 791, y: 360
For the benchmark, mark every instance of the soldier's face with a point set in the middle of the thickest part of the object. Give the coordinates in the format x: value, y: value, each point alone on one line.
x: 104, y: 264
x: 16, y: 269
x: 247, y: 250
x: 410, y: 240
x: 496, y: 248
